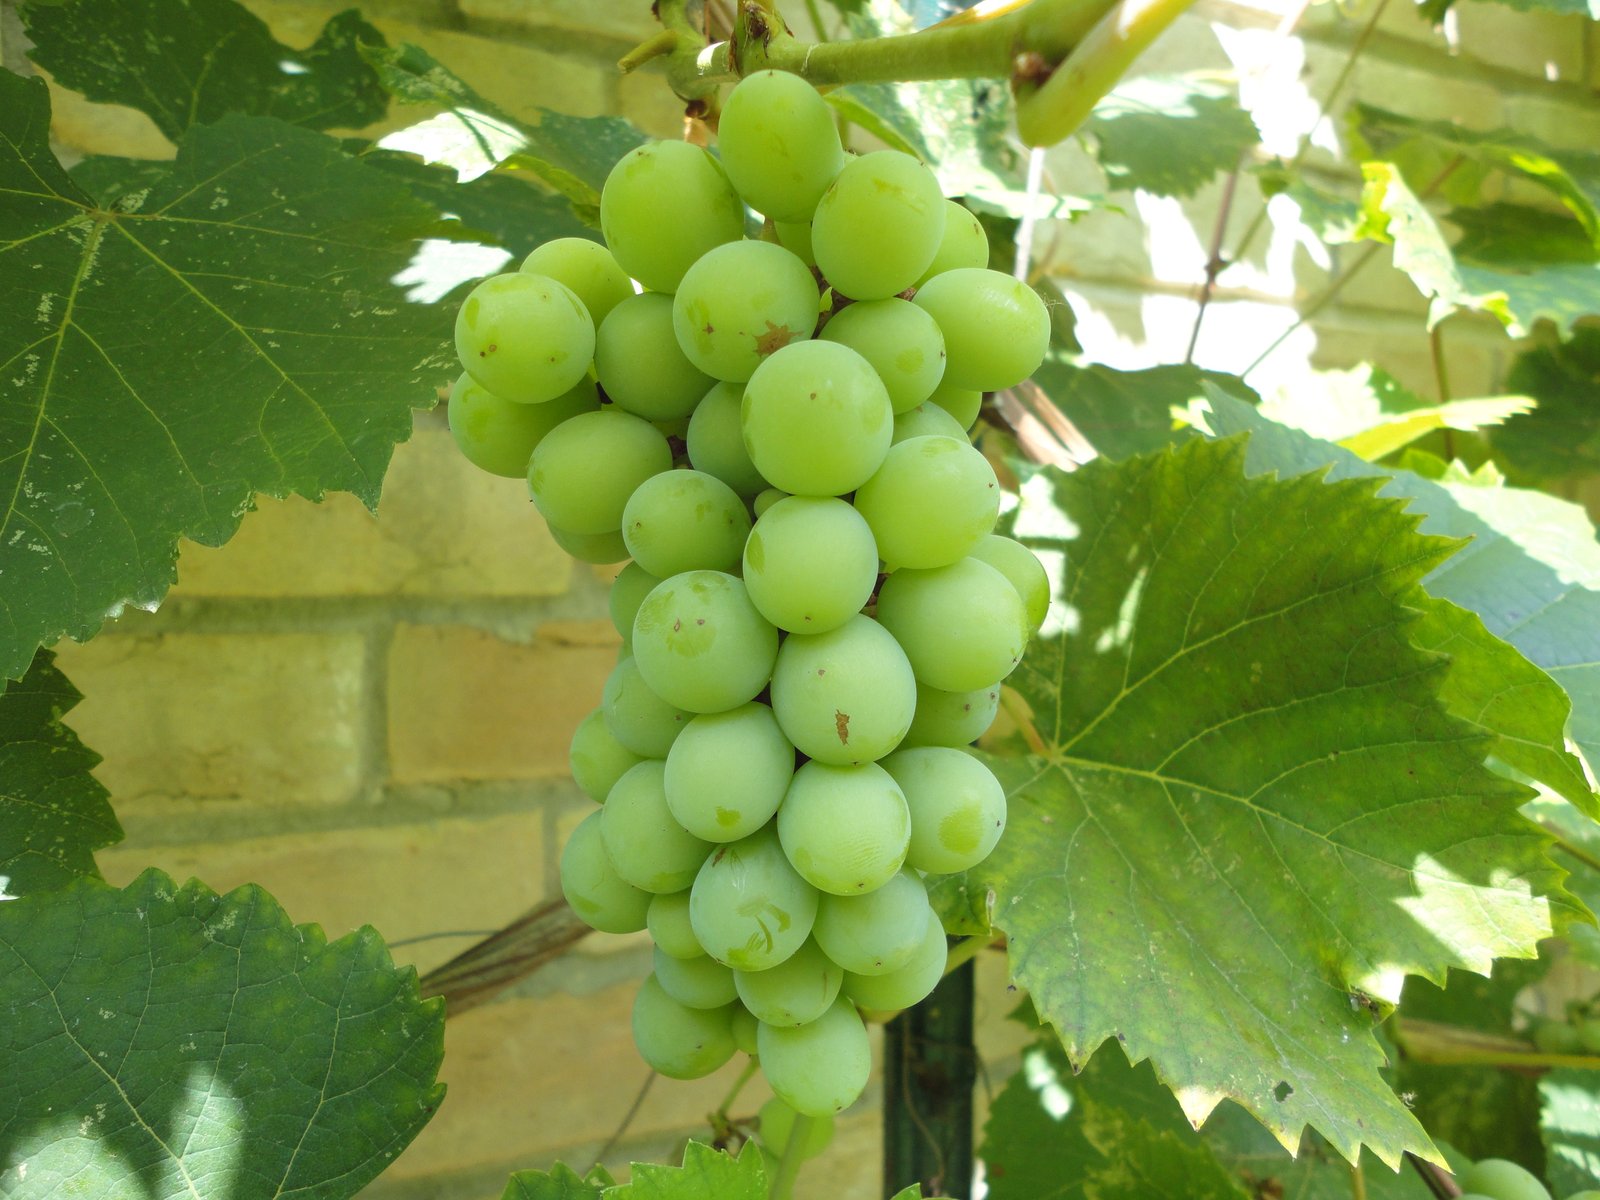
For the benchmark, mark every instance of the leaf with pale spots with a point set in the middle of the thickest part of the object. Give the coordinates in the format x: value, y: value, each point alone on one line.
x: 1244, y: 814
x: 163, y: 1041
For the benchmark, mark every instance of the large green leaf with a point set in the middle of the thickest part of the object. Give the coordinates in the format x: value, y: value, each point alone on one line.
x: 1528, y: 572
x: 1563, y: 436
x: 189, y: 62
x: 706, y: 1174
x: 1170, y: 134
x: 1123, y: 413
x: 561, y: 1182
x: 53, y: 814
x: 1570, y: 1124
x: 231, y: 329
x: 1246, y: 816
x: 166, y: 1041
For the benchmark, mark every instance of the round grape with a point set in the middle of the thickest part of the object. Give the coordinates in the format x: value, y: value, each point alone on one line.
x: 602, y: 899
x: 878, y: 226
x: 679, y: 1041
x: 498, y: 436
x: 749, y: 907
x: 846, y: 696
x: 819, y: 1068
x: 845, y: 829
x: 958, y: 808
x: 584, y: 470
x: 586, y: 267
x: 779, y: 144
x: 667, y: 177
x: 996, y: 328
x: 700, y: 643
x: 810, y: 563
x: 526, y: 338
x: 740, y: 304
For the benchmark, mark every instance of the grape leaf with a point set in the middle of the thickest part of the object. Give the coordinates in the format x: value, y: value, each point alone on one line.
x: 1577, y: 850
x: 706, y: 1174
x: 1128, y: 412
x: 1570, y: 1126
x: 229, y: 330
x: 1563, y: 436
x: 53, y: 814
x: 1247, y: 816
x: 164, y: 1040
x: 188, y: 62
x: 1169, y: 134
x: 560, y: 1183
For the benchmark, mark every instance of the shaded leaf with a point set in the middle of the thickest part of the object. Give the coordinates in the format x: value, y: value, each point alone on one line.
x: 230, y: 329
x: 1246, y: 815
x: 1170, y: 134
x: 212, y: 1048
x: 706, y: 1174
x: 1570, y: 1125
x: 1578, y: 850
x: 560, y: 1183
x: 1563, y: 436
x: 1128, y: 412
x: 189, y: 62
x: 53, y: 814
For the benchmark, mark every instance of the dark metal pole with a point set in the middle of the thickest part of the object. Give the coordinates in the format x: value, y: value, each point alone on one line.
x: 929, y: 1067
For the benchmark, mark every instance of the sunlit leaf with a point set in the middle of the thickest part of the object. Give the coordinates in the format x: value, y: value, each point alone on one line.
x: 1170, y: 134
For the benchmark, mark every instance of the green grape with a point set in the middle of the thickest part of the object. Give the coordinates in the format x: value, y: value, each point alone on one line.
x: 962, y: 244
x: 795, y: 237
x: 596, y: 758
x: 628, y: 590
x: 810, y: 563
x: 1022, y: 570
x: 661, y: 178
x: 637, y: 717
x: 996, y: 329
x: 599, y: 548
x: 1501, y: 1179
x: 961, y: 403
x: 679, y: 1041
x: 1589, y: 1034
x: 667, y: 919
x: 779, y: 144
x: 908, y: 984
x: 498, y: 436
x: 646, y: 846
x: 952, y: 718
x: 685, y: 521
x: 1557, y: 1037
x: 741, y: 303
x: 640, y: 364
x: 586, y: 267
x: 799, y: 989
x: 846, y: 696
x: 930, y: 503
x: 716, y: 441
x: 526, y: 338
x: 819, y: 1068
x: 603, y: 899
x: 817, y: 420
x: 727, y: 773
x: 776, y: 1121
x: 701, y: 644
x: 750, y: 908
x: 845, y: 829
x: 878, y: 932
x: 744, y: 1029
x: 699, y: 982
x: 765, y: 500
x: 962, y: 626
x: 958, y: 808
x: 878, y: 225
x: 926, y: 420
x: 901, y: 341
x: 584, y: 470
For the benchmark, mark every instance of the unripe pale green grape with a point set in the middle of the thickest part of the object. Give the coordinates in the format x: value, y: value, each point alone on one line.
x: 901, y: 341
x: 603, y: 899
x: 846, y: 696
x: 526, y: 338
x: 660, y: 178
x: 810, y: 563
x: 817, y: 420
x: 498, y: 436
x: 685, y: 521
x: 637, y: 717
x: 878, y: 225
x: 926, y: 420
x: 749, y: 907
x: 776, y: 1121
x: 600, y: 548
x: 930, y: 503
x: 628, y: 590
x: 701, y: 644
x: 715, y: 440
x: 819, y: 1068
x: 699, y: 982
x: 640, y: 364
x: 646, y: 846
x: 745, y: 1026
x: 779, y: 144
x: 799, y: 989
x: 1022, y: 570
x: 962, y: 244
x: 586, y: 267
x: 878, y: 932
x: 596, y: 758
x: 952, y: 718
x: 727, y: 773
x: 1502, y: 1179
x: 958, y: 808
x: 845, y: 829
x: 765, y: 500
x: 679, y: 1041
x: 584, y: 470
x: 667, y: 919
x: 996, y: 328
x: 741, y: 303
x: 795, y: 237
x: 961, y: 403
x: 962, y: 626
x: 905, y: 985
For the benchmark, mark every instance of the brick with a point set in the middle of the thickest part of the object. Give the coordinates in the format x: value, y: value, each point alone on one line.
x: 466, y: 704
x: 443, y: 528
x: 1425, y: 94
x: 1555, y: 121
x: 406, y: 880
x: 268, y: 718
x: 1544, y: 45
x: 646, y: 100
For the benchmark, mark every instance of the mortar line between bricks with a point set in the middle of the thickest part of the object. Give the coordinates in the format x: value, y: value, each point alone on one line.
x: 374, y: 749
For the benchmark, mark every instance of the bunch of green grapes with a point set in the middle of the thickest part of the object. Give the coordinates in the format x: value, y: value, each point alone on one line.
x: 816, y: 615
x: 1501, y: 1179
